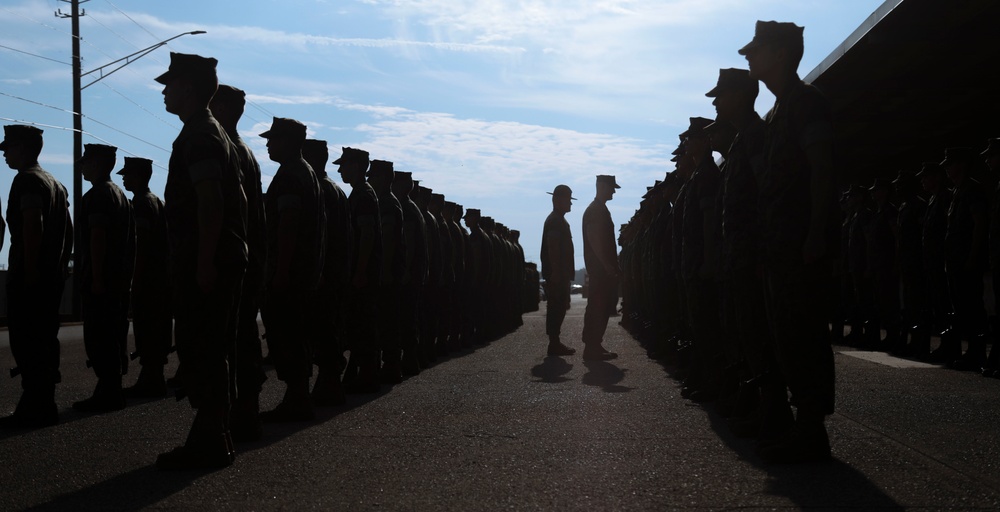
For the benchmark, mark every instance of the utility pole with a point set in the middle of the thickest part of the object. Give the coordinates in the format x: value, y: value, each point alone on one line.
x: 74, y: 16
x: 78, y: 74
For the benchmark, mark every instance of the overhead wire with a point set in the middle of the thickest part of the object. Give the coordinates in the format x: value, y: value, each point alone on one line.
x: 88, y: 118
x: 35, y: 55
x: 67, y: 129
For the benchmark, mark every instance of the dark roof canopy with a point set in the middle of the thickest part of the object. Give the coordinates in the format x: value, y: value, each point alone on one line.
x: 916, y: 77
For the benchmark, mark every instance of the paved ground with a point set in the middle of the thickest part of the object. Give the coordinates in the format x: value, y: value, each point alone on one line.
x: 504, y: 427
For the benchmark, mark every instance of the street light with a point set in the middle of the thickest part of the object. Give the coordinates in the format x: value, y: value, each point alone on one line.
x: 78, y: 131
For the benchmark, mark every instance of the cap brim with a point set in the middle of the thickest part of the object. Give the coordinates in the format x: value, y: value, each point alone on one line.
x: 714, y: 92
x: 571, y: 197
x: 121, y: 172
x: 749, y: 46
x: 3, y: 145
x: 266, y: 135
x: 164, y: 78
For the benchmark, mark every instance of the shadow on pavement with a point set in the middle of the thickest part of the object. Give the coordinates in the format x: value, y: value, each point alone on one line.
x: 606, y: 376
x: 552, y: 370
x: 134, y: 490
x: 831, y: 485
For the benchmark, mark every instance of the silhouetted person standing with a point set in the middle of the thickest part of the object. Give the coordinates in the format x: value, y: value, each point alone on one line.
x: 246, y: 371
x: 798, y: 233
x: 557, y: 268
x: 380, y: 177
x: 41, y: 241
x: 206, y: 222
x: 414, y: 273
x: 152, y: 321
x: 295, y: 237
x: 601, y: 259
x: 107, y: 245
x: 362, y: 375
x: 326, y: 315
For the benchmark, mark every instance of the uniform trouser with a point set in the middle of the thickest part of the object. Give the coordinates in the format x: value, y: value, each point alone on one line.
x: 966, y: 288
x: 428, y: 318
x: 388, y: 327
x: 796, y: 306
x: 703, y: 305
x: 938, y: 297
x: 885, y: 287
x: 33, y: 327
x: 602, y: 299
x: 247, y: 361
x: 152, y: 326
x: 557, y: 302
x: 104, y: 337
x: 670, y: 310
x: 408, y: 321
x: 362, y: 317
x: 287, y: 333
x: 205, y: 331
x: 864, y: 298
x: 326, y: 324
x: 913, y: 307
x: 746, y: 291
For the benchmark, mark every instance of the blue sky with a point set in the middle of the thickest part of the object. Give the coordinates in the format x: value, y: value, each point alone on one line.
x: 490, y: 102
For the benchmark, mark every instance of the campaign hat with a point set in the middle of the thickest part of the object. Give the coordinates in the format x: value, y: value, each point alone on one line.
x: 137, y: 166
x: 607, y: 180
x: 562, y: 190
x: 774, y: 32
x: 185, y: 64
x: 285, y: 128
x: 16, y: 133
x: 733, y: 79
x: 352, y: 155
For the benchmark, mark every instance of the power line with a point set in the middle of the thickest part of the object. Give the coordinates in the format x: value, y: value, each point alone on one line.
x: 133, y: 21
x: 63, y: 128
x: 53, y: 107
x: 35, y: 55
x: 144, y: 109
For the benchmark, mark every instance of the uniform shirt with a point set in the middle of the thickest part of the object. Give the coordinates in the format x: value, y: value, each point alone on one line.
x: 481, y: 252
x: 702, y: 189
x: 857, y: 242
x: 909, y: 227
x: 365, y: 215
x: 150, y: 242
x: 799, y: 120
x: 201, y: 152
x: 556, y: 233
x: 740, y: 218
x: 35, y: 188
x: 934, y: 231
x: 881, y: 240
x: 391, y: 218
x: 995, y: 232
x: 433, y: 240
x: 339, y: 237
x: 413, y: 220
x: 105, y: 206
x: 597, y: 217
x: 295, y: 188
x: 676, y: 228
x: 256, y: 237
x: 968, y: 200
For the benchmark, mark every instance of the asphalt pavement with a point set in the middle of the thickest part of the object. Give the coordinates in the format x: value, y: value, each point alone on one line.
x: 502, y: 426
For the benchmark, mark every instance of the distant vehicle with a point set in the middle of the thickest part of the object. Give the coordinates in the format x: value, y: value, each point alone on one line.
x: 575, y: 288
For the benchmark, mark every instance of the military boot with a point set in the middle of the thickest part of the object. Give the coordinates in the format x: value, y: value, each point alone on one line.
x: 150, y: 383
x: 974, y: 358
x: 108, y: 396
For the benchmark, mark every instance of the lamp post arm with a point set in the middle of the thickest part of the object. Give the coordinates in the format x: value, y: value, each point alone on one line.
x: 130, y: 58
